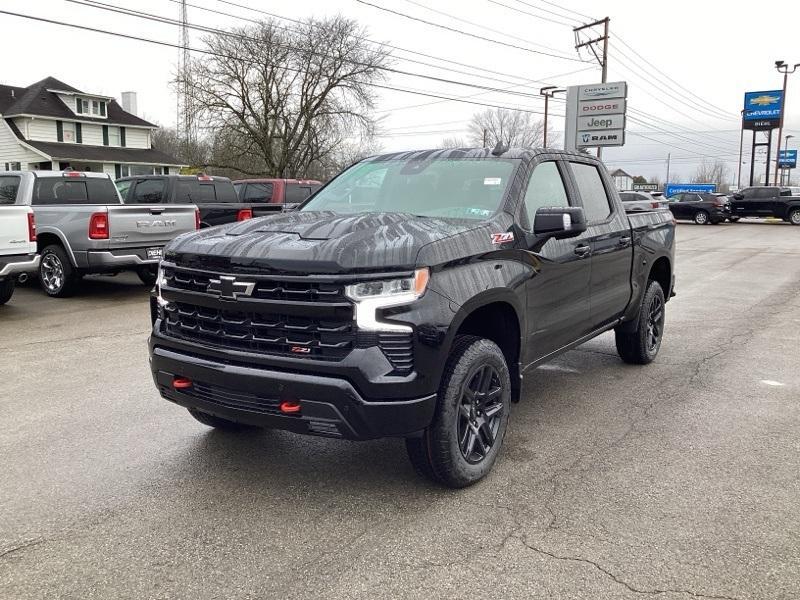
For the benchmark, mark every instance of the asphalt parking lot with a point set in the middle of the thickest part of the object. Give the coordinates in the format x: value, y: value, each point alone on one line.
x: 677, y: 480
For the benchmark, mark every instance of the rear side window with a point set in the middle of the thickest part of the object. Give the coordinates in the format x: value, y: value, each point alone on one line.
x: 296, y: 192
x: 67, y: 190
x: 149, y: 191
x: 225, y: 191
x: 545, y: 188
x: 238, y: 187
x: 592, y: 191
x: 123, y: 187
x: 765, y: 192
x: 191, y: 191
x: 9, y: 186
x: 258, y: 192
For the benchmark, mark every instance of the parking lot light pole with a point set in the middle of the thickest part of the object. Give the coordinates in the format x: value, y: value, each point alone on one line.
x: 782, y: 67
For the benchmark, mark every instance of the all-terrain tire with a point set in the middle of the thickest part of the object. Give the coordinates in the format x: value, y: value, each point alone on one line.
x: 462, y: 443
x: 57, y: 276
x: 640, y: 347
x: 6, y: 290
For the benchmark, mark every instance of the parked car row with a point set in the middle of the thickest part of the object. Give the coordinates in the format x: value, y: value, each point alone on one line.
x: 62, y: 225
x: 714, y: 208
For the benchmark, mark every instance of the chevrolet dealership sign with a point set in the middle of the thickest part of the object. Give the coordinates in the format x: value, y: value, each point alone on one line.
x: 596, y: 115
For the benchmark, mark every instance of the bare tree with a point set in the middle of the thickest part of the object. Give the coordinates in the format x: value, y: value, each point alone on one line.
x: 167, y: 139
x: 454, y: 142
x: 511, y: 127
x: 282, y: 103
x: 711, y: 172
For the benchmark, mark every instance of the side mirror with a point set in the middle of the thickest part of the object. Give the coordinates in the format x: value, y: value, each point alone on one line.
x: 559, y: 222
x: 738, y: 196
x: 290, y: 206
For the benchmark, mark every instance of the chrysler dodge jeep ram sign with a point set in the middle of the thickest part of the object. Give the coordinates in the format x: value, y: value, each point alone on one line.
x: 596, y: 115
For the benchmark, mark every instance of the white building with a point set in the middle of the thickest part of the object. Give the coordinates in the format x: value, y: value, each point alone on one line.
x: 622, y: 180
x: 52, y: 126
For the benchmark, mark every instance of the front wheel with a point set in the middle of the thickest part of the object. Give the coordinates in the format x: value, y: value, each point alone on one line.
x: 640, y: 347
x: 6, y: 290
x: 461, y: 445
x: 794, y: 216
x: 701, y: 217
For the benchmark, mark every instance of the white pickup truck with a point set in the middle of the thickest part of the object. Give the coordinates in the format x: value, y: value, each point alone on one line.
x: 84, y: 228
x: 17, y: 236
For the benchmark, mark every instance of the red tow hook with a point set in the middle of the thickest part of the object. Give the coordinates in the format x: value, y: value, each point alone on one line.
x: 181, y: 383
x: 290, y: 407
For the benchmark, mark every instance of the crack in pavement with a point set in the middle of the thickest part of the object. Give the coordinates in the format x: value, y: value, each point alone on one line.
x: 616, y: 579
x: 22, y: 546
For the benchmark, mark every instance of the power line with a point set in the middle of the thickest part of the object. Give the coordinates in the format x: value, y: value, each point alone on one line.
x: 167, y: 20
x: 212, y: 53
x: 574, y: 12
x: 466, y: 33
x: 483, y: 70
x: 456, y: 18
x: 530, y: 14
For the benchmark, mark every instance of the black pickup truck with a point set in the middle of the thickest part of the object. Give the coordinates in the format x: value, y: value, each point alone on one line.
x: 408, y: 298
x: 768, y: 201
x: 215, y: 197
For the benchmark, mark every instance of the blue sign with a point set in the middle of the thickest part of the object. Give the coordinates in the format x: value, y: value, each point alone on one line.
x: 787, y: 159
x: 689, y: 188
x: 764, y: 106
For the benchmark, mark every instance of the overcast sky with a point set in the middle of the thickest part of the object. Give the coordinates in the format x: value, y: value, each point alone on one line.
x: 698, y: 50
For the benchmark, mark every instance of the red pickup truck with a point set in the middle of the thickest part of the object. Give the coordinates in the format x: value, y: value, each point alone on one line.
x: 279, y: 193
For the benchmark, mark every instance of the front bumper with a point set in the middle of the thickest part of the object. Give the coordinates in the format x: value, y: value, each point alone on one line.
x: 12, y: 265
x: 330, y: 406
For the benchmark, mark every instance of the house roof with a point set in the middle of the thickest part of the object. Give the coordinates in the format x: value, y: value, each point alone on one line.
x: 107, y: 154
x: 620, y: 173
x: 37, y: 100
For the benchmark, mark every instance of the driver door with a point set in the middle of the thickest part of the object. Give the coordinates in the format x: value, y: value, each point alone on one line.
x: 558, y: 292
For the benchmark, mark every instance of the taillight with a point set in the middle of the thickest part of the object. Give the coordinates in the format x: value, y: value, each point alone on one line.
x: 98, y: 226
x: 244, y: 214
x: 31, y: 227
x: 654, y: 205
x: 197, y: 219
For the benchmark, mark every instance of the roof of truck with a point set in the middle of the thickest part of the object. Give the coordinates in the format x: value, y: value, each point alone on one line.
x: 274, y: 179
x: 518, y: 153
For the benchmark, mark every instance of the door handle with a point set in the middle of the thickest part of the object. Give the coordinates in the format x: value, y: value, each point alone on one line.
x: 625, y: 240
x: 583, y: 250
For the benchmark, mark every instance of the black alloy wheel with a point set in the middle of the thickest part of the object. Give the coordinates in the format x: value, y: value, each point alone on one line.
x: 479, y: 414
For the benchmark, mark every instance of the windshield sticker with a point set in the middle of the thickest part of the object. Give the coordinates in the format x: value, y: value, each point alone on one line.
x: 502, y: 238
x: 479, y: 212
x: 492, y: 180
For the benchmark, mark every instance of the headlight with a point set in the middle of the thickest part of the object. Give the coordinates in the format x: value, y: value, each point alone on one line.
x: 370, y: 296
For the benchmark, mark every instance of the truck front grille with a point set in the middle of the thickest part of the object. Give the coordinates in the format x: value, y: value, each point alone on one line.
x: 272, y: 333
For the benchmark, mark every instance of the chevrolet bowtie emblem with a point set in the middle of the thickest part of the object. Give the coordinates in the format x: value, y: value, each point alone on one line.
x: 227, y: 288
x: 764, y: 100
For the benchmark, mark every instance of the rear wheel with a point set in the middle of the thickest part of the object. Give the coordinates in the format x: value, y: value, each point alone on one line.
x: 216, y: 422
x: 147, y: 274
x: 56, y: 274
x: 6, y: 290
x: 461, y: 445
x: 701, y: 217
x: 794, y: 216
x: 640, y: 347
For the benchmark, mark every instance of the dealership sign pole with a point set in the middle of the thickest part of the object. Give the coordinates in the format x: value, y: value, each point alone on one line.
x: 595, y: 115
x: 762, y: 112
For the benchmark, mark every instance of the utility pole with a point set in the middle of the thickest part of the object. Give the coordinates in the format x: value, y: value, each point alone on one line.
x: 485, y: 132
x: 602, y: 58
x: 669, y: 156
x: 741, y: 145
x: 782, y: 67
x: 185, y: 125
x: 548, y: 92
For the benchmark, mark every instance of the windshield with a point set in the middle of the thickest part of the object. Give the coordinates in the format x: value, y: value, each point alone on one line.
x: 442, y: 187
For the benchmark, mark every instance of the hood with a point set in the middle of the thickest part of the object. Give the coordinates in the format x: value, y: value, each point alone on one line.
x: 322, y: 242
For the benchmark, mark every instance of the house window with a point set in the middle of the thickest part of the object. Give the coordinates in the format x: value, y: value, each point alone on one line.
x: 68, y: 131
x: 98, y: 108
x: 81, y: 106
x: 113, y: 136
x: 13, y: 166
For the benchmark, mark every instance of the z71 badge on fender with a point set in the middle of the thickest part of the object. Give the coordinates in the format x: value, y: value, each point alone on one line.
x: 502, y: 238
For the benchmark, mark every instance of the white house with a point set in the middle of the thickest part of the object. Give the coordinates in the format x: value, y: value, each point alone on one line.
x: 52, y: 126
x: 622, y: 180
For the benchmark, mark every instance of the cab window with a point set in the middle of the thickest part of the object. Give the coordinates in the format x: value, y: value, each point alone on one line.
x: 595, y: 201
x: 545, y: 188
